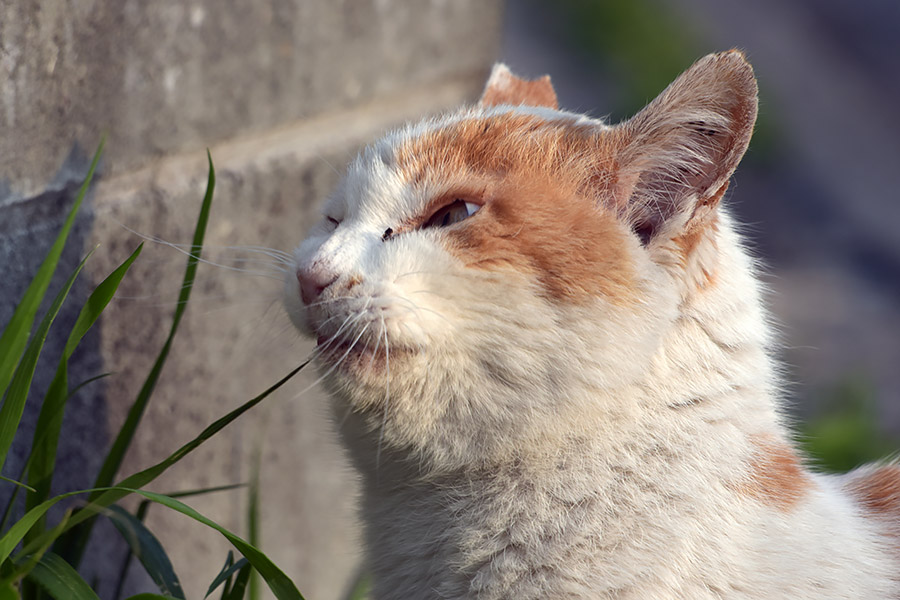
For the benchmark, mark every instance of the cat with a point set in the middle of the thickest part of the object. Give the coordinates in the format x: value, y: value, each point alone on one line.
x: 550, y: 362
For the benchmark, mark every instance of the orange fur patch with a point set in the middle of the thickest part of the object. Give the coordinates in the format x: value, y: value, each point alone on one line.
x: 691, y: 239
x: 546, y: 192
x: 777, y: 477
x: 878, y: 490
x: 701, y: 229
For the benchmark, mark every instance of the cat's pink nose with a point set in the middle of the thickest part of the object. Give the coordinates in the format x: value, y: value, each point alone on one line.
x: 313, y: 281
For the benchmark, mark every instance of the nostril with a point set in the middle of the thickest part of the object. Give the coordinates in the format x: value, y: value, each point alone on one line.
x: 313, y: 282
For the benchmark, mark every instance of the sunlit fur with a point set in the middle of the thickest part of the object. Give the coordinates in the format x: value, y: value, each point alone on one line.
x: 571, y: 393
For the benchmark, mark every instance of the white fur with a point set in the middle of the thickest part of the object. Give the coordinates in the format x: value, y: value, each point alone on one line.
x: 525, y: 449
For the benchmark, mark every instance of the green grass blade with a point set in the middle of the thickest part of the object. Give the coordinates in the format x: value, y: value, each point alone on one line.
x: 10, y: 504
x: 228, y: 569
x: 17, y: 393
x: 76, y: 542
x: 253, y: 513
x: 8, y: 592
x: 126, y: 433
x: 46, y: 434
x: 278, y: 582
x: 107, y: 496
x: 24, y: 567
x: 145, y: 504
x: 361, y: 587
x: 14, y: 534
x: 60, y: 579
x: 147, y: 548
x: 18, y: 483
x: 236, y: 591
x: 98, y: 301
x: 87, y: 381
x: 144, y: 477
x: 141, y: 513
x: 209, y: 490
x: 15, y: 334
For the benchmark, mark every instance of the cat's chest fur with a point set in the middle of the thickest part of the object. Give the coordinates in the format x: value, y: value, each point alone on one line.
x: 648, y: 522
x: 551, y: 365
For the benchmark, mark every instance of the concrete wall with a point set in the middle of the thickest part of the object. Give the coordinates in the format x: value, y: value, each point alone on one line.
x: 283, y: 92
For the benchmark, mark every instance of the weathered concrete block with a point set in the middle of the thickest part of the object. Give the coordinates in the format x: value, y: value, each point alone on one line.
x: 173, y: 76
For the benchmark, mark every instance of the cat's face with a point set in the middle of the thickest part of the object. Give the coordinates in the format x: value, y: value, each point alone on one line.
x: 478, y: 281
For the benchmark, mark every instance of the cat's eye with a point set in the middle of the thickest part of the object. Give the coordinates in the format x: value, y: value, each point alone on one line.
x: 456, y: 211
x: 333, y: 222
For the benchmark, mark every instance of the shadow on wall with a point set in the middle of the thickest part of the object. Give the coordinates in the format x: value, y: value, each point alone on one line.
x: 27, y: 231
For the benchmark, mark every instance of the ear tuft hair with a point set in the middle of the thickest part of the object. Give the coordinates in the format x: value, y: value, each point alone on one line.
x: 505, y: 88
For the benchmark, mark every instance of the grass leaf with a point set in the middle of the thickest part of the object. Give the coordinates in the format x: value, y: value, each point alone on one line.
x: 11, y: 502
x: 14, y: 534
x: 278, y: 582
x: 126, y: 433
x: 87, y: 381
x: 144, y: 477
x: 107, y: 496
x: 236, y: 591
x: 75, y: 543
x: 60, y: 579
x: 361, y: 587
x: 8, y: 592
x: 15, y: 334
x: 18, y: 483
x: 28, y: 564
x: 228, y: 569
x: 17, y: 393
x: 42, y: 460
x: 209, y: 490
x: 253, y: 512
x: 147, y: 548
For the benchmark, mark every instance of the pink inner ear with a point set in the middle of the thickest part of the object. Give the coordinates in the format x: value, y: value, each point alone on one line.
x: 505, y: 88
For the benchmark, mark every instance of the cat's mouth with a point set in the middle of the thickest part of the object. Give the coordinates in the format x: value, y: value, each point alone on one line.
x: 360, y: 356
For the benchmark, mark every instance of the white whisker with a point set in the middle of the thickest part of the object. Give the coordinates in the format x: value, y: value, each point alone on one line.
x: 335, y: 365
x: 387, y: 393
x: 181, y: 248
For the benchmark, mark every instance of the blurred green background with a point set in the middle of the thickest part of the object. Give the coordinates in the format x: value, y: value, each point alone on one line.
x: 816, y: 192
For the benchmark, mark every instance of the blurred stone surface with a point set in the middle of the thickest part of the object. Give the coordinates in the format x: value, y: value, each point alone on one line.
x: 283, y: 93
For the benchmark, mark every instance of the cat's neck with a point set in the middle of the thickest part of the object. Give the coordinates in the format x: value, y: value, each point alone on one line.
x: 670, y: 493
x: 715, y: 363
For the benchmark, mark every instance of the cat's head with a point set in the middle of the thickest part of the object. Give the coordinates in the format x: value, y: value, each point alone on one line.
x: 481, y: 282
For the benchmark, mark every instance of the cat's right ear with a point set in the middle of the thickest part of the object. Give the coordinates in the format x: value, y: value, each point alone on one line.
x: 675, y: 157
x: 503, y: 87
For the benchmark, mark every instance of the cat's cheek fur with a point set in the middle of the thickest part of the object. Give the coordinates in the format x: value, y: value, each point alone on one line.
x: 477, y: 398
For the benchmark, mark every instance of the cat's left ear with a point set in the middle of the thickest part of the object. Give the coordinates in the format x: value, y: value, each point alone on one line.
x: 675, y: 157
x: 505, y: 88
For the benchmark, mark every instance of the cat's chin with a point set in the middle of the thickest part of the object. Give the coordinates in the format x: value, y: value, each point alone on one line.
x: 360, y: 359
